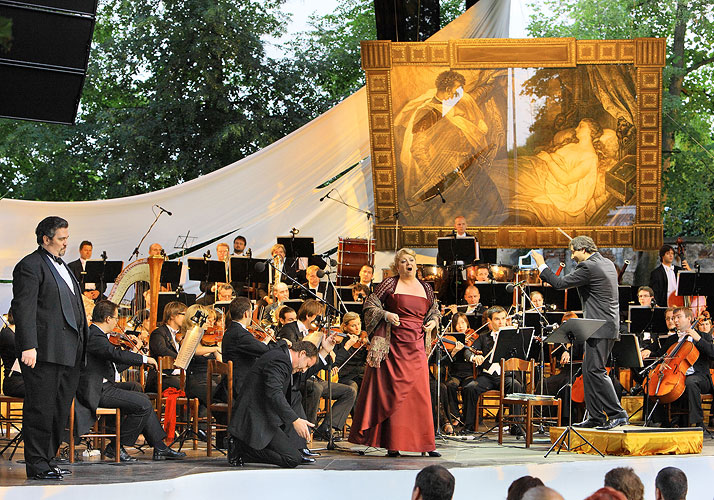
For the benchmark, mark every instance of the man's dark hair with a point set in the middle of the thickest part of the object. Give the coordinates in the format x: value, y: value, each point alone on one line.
x: 310, y: 307
x: 521, y: 485
x: 446, y: 79
x: 435, y: 482
x: 671, y: 483
x: 646, y: 289
x: 283, y: 311
x: 242, y: 238
x: 85, y: 243
x: 494, y: 310
x: 103, y: 310
x: 367, y: 265
x: 10, y: 317
x: 173, y: 308
x: 625, y: 480
x: 48, y: 227
x: 584, y: 243
x: 238, y: 308
x: 303, y: 345
x: 664, y: 249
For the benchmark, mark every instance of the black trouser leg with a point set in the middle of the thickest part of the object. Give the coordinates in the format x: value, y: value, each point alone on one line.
x: 696, y: 384
x: 601, y: 400
x: 279, y: 452
x: 138, y: 415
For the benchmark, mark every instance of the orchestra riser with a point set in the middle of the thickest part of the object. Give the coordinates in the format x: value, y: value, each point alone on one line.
x: 484, y: 470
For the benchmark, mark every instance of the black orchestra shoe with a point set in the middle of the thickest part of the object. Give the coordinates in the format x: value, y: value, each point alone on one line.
x: 432, y: 453
x: 307, y: 461
x: 48, y: 475
x: 307, y: 452
x: 201, y: 434
x: 168, y: 454
x: 589, y: 424
x: 636, y: 390
x: 515, y: 430
x: 613, y: 422
x: 62, y: 472
x: 393, y: 453
x: 123, y: 455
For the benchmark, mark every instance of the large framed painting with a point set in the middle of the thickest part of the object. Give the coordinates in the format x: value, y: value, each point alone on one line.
x: 525, y: 138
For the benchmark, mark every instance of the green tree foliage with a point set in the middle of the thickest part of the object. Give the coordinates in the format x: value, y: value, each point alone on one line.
x: 688, y: 89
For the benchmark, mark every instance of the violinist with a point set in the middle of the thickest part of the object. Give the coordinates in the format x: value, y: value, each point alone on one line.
x: 698, y: 378
x: 197, y: 370
x: 100, y: 387
x: 239, y: 345
x: 705, y: 322
x: 351, y: 353
x: 490, y: 376
x: 663, y: 278
x: 308, y: 312
x: 163, y: 342
x: 460, y: 369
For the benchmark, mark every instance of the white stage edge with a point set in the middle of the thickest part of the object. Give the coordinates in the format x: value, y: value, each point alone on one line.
x: 574, y: 480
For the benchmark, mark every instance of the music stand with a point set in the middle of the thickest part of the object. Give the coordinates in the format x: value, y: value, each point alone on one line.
x: 458, y: 251
x: 647, y: 319
x: 573, y: 330
x: 171, y: 272
x: 297, y: 247
x: 511, y: 343
x: 494, y: 293
x: 243, y: 271
x: 165, y: 297
x: 206, y: 270
x: 695, y: 283
x: 100, y: 272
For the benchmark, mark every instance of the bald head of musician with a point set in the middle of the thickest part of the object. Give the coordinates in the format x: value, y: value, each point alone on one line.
x: 460, y: 226
x: 155, y: 249
x: 281, y: 292
x: 472, y: 296
x: 645, y: 296
x: 365, y: 275
x: 222, y: 251
x: 239, y: 244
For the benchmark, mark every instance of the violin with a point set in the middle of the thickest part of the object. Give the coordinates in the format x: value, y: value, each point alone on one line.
x: 212, y: 336
x: 120, y: 339
x: 470, y: 337
x: 261, y: 333
x: 450, y: 340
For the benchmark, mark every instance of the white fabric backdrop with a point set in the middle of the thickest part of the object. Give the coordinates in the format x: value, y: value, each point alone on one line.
x: 265, y: 194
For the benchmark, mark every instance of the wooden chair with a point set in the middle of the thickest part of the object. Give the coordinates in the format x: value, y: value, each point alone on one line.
x: 527, y: 368
x: 225, y: 369
x: 488, y: 401
x: 10, y: 417
x: 98, y: 432
x: 189, y: 405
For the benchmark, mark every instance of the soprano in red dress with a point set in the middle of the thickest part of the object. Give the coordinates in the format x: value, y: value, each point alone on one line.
x: 394, y: 406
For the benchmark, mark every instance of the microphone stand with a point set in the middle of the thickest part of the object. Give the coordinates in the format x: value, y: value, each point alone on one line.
x: 437, y: 348
x: 135, y: 253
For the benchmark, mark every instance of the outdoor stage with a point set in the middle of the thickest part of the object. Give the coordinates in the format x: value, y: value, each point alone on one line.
x: 483, y: 470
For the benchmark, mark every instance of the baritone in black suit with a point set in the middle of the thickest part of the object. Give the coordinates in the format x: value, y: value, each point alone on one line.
x: 595, y: 278
x: 51, y: 331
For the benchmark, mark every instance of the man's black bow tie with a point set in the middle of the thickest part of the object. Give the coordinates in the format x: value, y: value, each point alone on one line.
x: 58, y: 260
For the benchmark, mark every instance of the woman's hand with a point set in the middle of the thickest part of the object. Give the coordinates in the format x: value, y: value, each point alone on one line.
x: 392, y: 318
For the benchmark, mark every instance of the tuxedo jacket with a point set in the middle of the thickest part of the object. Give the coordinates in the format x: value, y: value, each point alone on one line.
x: 484, y: 343
x: 659, y: 284
x: 160, y: 343
x: 290, y: 332
x: 325, y: 289
x: 596, y: 282
x: 76, y: 268
x: 102, y: 357
x: 264, y: 407
x: 243, y: 349
x: 48, y: 316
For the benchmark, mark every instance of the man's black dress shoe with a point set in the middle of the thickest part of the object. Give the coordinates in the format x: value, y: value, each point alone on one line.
x: 51, y: 474
x: 307, y: 460
x: 202, y: 435
x: 432, y: 453
x: 63, y: 472
x: 515, y: 430
x: 123, y: 455
x: 307, y: 452
x: 613, y: 422
x: 393, y: 453
x: 588, y: 424
x: 168, y: 454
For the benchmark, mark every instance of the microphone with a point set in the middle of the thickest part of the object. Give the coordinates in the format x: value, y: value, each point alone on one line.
x: 261, y: 265
x: 294, y: 231
x: 653, y: 304
x: 104, y: 255
x: 322, y: 273
x: 163, y: 210
x: 512, y: 286
x: 438, y: 191
x: 327, y: 194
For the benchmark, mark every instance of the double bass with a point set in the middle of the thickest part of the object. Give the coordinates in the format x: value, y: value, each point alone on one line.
x: 697, y: 303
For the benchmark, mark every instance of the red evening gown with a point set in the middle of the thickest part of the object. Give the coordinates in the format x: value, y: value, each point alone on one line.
x: 394, y: 406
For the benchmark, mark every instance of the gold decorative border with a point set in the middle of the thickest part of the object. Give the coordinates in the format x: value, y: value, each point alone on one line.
x: 646, y: 54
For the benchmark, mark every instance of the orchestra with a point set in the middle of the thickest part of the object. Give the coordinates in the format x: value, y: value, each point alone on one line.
x: 267, y: 335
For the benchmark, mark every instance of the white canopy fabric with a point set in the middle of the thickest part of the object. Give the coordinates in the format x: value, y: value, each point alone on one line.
x: 262, y: 196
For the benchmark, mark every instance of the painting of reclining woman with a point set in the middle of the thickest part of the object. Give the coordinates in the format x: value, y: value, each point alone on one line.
x: 449, y: 127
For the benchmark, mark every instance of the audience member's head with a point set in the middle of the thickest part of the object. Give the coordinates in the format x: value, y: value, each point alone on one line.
x: 671, y: 484
x: 433, y: 483
x: 607, y: 493
x: 625, y: 480
x: 521, y: 485
x: 542, y: 493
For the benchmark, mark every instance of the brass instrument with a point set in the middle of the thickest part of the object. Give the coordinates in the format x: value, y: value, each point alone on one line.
x: 155, y: 263
x: 274, y: 273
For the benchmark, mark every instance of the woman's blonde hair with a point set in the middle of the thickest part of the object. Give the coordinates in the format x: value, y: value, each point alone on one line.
x: 190, y: 313
x: 401, y: 253
x: 349, y: 316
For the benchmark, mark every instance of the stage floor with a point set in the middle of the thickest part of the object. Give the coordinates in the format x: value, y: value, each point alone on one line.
x: 484, y: 457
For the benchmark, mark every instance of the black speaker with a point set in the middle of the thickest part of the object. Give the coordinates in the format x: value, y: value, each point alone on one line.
x: 43, y: 72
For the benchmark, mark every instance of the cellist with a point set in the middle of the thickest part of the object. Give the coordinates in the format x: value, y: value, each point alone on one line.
x: 698, y: 379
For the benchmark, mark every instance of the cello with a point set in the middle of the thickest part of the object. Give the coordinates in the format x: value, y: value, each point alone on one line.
x: 667, y: 380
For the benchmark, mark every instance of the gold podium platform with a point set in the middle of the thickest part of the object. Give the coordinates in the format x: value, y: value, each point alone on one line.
x: 631, y: 440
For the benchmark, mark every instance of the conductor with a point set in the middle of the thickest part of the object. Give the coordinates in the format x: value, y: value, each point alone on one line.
x: 595, y: 278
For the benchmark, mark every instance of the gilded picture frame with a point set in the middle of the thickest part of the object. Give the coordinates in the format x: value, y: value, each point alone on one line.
x: 398, y: 75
